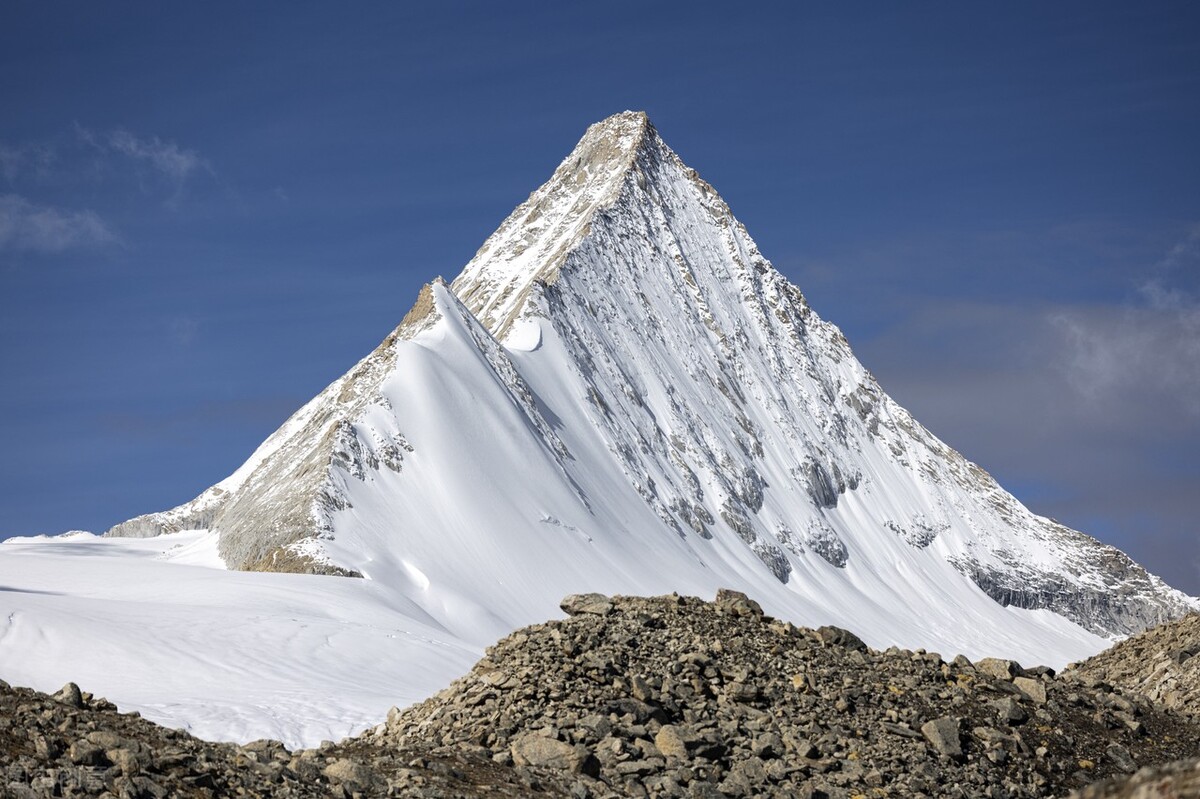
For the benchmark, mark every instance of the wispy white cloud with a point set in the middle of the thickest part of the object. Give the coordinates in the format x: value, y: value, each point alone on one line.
x: 166, y: 157
x: 165, y: 160
x: 34, y: 213
x: 112, y: 159
x: 1152, y: 346
x: 1154, y: 349
x: 29, y: 227
x: 1180, y: 307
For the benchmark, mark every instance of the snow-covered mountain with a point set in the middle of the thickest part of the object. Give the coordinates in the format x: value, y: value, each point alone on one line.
x: 619, y: 393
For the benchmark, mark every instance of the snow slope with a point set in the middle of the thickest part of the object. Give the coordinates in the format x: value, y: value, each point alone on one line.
x: 619, y: 394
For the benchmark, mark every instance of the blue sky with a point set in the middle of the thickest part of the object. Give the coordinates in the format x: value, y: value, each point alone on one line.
x: 209, y: 211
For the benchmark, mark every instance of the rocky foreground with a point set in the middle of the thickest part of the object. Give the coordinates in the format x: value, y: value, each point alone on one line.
x: 663, y: 697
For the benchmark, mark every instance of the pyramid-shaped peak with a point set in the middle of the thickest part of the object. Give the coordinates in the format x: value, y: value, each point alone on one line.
x: 620, y: 394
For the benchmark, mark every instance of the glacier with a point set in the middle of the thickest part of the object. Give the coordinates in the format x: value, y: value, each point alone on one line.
x: 618, y: 393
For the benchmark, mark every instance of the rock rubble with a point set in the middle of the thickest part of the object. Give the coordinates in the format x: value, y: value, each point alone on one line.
x: 1178, y: 780
x: 72, y: 744
x: 1160, y: 664
x: 656, y: 697
x: 676, y: 697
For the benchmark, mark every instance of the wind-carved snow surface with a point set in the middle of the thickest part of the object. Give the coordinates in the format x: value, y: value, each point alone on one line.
x: 618, y: 394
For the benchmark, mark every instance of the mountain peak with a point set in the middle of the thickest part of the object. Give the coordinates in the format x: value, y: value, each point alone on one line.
x: 627, y: 120
x: 530, y: 246
x: 620, y: 393
x: 614, y: 139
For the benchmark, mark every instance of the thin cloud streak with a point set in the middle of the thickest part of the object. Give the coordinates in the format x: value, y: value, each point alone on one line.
x: 28, y: 227
x: 1087, y: 411
x: 165, y: 161
x: 166, y: 157
x: 1151, y: 347
x: 40, y: 172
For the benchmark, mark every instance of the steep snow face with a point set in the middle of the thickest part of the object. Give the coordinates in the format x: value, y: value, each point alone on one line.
x: 619, y: 393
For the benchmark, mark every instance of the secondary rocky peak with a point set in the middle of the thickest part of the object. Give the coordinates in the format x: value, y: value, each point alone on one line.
x: 423, y: 312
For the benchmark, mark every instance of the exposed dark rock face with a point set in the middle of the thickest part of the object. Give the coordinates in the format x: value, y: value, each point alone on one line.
x: 1127, y: 603
x: 663, y: 697
x: 825, y: 486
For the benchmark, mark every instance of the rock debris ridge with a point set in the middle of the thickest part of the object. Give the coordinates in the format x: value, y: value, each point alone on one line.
x: 669, y: 697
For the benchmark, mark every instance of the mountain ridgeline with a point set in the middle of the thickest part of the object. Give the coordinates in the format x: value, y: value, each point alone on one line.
x: 619, y: 393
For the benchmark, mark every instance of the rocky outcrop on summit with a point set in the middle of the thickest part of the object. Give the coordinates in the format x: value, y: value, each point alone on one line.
x: 1160, y: 664
x: 619, y: 392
